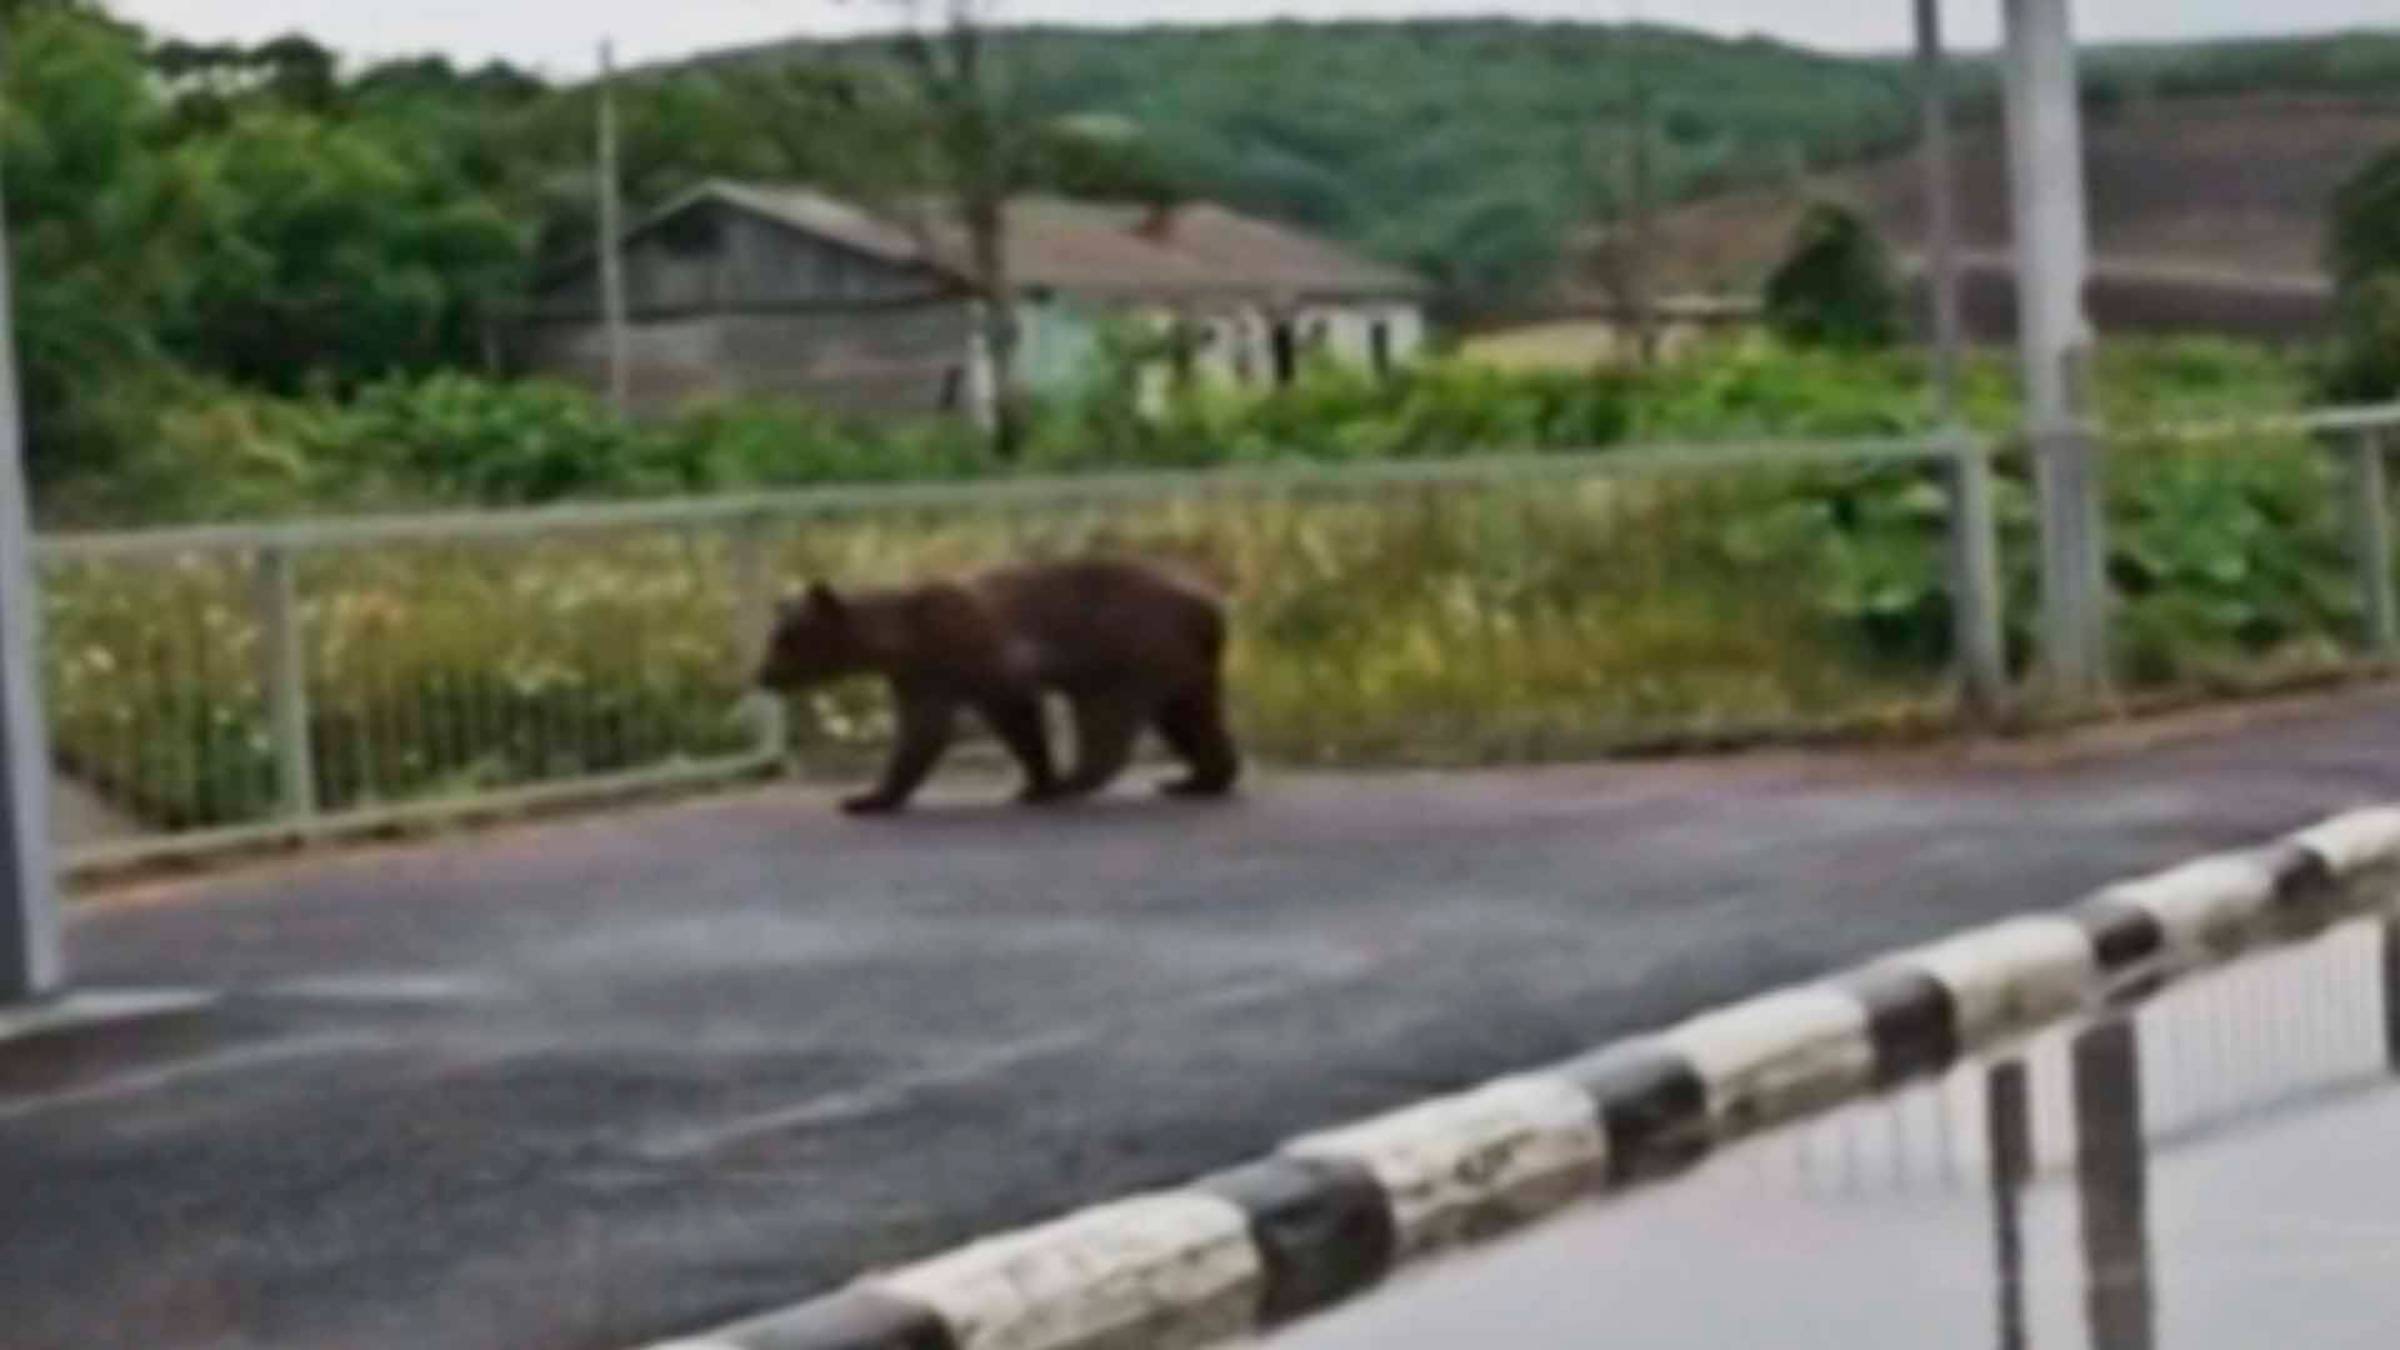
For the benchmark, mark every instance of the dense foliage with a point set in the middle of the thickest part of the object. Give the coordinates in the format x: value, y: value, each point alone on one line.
x: 2364, y: 251
x: 456, y: 440
x: 271, y: 217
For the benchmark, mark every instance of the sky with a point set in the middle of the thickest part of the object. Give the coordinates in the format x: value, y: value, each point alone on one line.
x: 559, y: 37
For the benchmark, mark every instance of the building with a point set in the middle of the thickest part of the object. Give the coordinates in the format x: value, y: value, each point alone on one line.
x: 1587, y: 332
x: 746, y: 289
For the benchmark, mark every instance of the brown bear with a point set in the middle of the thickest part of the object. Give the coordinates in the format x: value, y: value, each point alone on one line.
x: 1127, y: 643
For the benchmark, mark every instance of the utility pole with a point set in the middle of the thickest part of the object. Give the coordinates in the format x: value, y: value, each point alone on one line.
x: 31, y: 964
x: 1941, y: 211
x: 1977, y: 632
x: 2053, y: 245
x: 612, y: 225
x: 1641, y: 255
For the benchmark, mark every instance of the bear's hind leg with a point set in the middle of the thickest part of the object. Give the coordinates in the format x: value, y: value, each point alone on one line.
x: 1193, y: 724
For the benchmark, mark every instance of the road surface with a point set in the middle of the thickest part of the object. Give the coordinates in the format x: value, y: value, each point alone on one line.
x: 583, y: 1084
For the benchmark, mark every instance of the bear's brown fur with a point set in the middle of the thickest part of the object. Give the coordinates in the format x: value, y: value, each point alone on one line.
x: 1127, y: 643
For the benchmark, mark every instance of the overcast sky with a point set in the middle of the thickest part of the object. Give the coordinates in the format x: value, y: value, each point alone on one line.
x: 558, y: 36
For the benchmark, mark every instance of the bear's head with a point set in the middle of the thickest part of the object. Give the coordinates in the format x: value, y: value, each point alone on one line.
x: 815, y: 641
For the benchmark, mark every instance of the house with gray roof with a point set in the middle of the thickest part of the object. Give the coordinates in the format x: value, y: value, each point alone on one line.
x: 748, y: 289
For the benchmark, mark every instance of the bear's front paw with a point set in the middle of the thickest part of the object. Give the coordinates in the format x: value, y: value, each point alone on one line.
x: 872, y: 804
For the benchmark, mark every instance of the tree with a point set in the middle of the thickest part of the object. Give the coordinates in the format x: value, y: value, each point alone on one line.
x: 2364, y: 254
x: 768, y: 120
x: 1835, y: 287
x: 336, y: 249
x: 98, y: 225
x: 981, y: 146
x: 980, y: 142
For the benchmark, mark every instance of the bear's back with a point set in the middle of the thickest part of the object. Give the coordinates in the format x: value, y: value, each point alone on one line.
x: 1103, y: 619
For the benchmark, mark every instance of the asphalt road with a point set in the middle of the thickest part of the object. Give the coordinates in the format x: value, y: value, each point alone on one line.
x: 588, y: 1083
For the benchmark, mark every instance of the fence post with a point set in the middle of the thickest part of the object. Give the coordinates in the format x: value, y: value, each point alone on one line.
x: 1976, y: 604
x: 754, y: 618
x: 284, y: 668
x: 2371, y: 540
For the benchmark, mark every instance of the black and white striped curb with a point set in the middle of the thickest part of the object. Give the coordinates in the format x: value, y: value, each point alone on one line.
x: 1330, y: 1215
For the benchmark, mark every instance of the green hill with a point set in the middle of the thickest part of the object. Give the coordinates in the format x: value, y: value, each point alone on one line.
x: 1463, y: 148
x: 1469, y: 148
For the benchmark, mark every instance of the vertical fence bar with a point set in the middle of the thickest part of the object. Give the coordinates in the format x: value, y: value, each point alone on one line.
x: 285, y: 671
x: 1976, y: 605
x: 2075, y: 596
x: 753, y: 546
x: 2371, y: 540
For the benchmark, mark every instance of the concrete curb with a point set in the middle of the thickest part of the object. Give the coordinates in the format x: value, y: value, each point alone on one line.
x: 1330, y: 1215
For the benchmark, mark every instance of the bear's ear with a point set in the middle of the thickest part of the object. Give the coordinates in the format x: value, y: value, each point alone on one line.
x: 821, y: 600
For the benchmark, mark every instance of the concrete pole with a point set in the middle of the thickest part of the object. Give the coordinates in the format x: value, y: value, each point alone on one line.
x: 31, y: 963
x: 2045, y: 135
x: 612, y: 226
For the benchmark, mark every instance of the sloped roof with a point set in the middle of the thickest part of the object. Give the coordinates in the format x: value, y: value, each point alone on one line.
x: 813, y: 212
x: 1091, y: 248
x: 1268, y: 254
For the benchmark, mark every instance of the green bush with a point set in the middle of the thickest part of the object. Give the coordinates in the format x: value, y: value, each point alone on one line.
x: 1835, y: 287
x: 476, y: 440
x: 761, y: 443
x: 1435, y: 410
x: 2220, y: 556
x: 2364, y: 252
x: 202, y: 449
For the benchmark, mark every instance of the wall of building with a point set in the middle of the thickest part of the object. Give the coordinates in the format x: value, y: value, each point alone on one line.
x: 869, y: 361
x: 1060, y: 343
x: 1239, y: 343
x: 1348, y: 333
x: 872, y: 360
x: 767, y: 264
x: 668, y: 361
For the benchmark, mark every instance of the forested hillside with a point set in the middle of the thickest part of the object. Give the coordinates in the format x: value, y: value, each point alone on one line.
x: 189, y: 219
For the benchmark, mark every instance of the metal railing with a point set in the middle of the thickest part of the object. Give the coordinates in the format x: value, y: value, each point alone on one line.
x: 229, y: 685
x: 2249, y: 545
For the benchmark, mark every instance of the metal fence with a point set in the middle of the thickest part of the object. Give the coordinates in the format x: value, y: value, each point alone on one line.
x: 2244, y: 548
x: 220, y: 686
